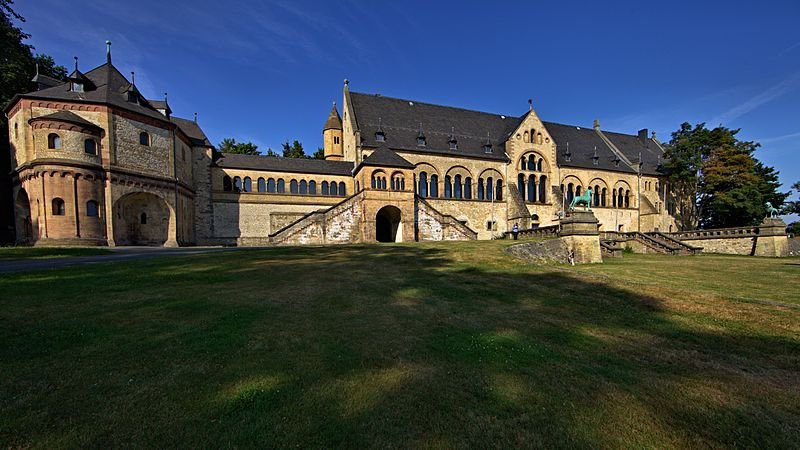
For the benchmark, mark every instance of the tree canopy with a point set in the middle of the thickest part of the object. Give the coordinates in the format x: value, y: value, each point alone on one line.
x: 229, y: 145
x: 715, y: 179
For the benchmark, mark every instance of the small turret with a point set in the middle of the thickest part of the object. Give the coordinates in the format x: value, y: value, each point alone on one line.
x: 332, y: 136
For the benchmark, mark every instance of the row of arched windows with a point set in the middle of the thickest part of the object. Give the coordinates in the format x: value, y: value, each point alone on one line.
x: 532, y: 137
x: 59, y: 208
x: 273, y: 186
x: 649, y: 185
x: 532, y: 189
x: 54, y: 143
x: 620, y: 198
x: 531, y: 162
x: 458, y: 188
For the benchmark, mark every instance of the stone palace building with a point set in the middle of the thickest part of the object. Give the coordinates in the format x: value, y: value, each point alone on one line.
x: 96, y: 163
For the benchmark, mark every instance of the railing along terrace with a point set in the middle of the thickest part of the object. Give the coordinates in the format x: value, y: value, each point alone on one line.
x: 715, y: 233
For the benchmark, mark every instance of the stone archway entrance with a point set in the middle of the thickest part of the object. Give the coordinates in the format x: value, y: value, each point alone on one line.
x: 388, y: 227
x: 141, y: 218
x: 22, y: 213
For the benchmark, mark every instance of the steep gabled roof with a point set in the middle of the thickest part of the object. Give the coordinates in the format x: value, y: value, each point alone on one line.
x: 402, y: 120
x: 581, y: 143
x: 278, y: 164
x: 191, y: 129
x: 384, y: 157
x: 634, y: 147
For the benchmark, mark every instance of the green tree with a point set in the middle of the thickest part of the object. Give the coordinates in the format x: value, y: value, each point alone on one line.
x: 793, y: 207
x: 715, y: 180
x: 293, y: 150
x: 271, y: 152
x: 229, y: 145
x: 319, y: 154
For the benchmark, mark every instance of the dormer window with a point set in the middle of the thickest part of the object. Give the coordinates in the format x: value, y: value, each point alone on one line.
x: 76, y: 86
x: 380, y: 136
x: 487, y: 148
x: 452, y: 140
x: 616, y: 161
x: 132, y: 97
x: 421, y: 141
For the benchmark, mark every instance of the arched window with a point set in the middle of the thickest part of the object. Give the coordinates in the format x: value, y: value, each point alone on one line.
x: 53, y: 141
x: 227, y: 185
x: 281, y: 186
x: 526, y: 137
x: 614, y: 197
x: 262, y: 185
x: 334, y: 188
x: 144, y: 138
x: 521, y: 186
x: 539, y: 165
x: 325, y: 188
x: 596, y: 195
x: 271, y: 185
x: 342, y: 189
x: 627, y: 198
x: 532, y: 188
x: 90, y: 146
x: 248, y: 185
x: 312, y: 187
x: 620, y: 198
x: 422, y: 190
x: 448, y: 187
x: 303, y: 187
x: 570, y: 192
x: 531, y: 162
x: 374, y: 182
x: 578, y: 190
x: 457, y: 187
x: 489, y: 188
x: 237, y: 184
x: 383, y: 183
x: 480, y: 189
x: 543, y: 189
x: 58, y: 207
x: 293, y: 187
x: 603, y: 195
x: 434, y: 190
x: 143, y: 219
x: 499, y: 191
x: 468, y: 188
x: 538, y: 138
x: 91, y: 208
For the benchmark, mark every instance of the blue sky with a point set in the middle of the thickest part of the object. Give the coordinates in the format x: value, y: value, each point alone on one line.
x: 268, y: 71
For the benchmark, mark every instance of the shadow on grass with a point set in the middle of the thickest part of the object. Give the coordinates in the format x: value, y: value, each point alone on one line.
x: 378, y: 346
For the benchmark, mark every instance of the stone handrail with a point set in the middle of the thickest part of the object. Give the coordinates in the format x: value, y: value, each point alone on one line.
x: 447, y: 219
x: 715, y: 233
x: 540, y: 232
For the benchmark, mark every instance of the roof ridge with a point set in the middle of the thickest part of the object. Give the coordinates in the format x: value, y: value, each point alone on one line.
x: 435, y: 105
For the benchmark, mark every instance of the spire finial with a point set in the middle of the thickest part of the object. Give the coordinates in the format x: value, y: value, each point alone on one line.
x: 133, y: 78
x: 76, y: 63
x: 334, y: 103
x: 346, y: 82
x: 108, y: 51
x: 165, y: 97
x: 195, y: 117
x: 596, y: 124
x: 530, y: 104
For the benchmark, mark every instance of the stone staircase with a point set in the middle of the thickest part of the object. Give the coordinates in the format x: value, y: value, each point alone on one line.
x: 654, y: 242
x: 432, y: 225
x: 339, y: 224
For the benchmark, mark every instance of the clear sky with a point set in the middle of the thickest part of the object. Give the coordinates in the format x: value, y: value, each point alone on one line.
x: 267, y: 71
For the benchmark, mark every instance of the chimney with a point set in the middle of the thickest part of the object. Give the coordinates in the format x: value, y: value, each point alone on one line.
x: 643, y: 136
x: 597, y: 124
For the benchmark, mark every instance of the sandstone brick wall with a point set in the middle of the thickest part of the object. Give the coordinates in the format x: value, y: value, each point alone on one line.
x: 432, y: 225
x: 130, y: 154
x: 337, y: 225
x: 731, y: 246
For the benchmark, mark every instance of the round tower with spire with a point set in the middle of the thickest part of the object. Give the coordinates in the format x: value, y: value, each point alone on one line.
x: 332, y: 136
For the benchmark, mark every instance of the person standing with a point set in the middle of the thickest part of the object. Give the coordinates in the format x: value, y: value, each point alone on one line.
x: 515, y: 231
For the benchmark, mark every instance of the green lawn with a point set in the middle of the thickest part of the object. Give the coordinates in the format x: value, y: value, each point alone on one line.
x: 434, y: 345
x: 7, y: 253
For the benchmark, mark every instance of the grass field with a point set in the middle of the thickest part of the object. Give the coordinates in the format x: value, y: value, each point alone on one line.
x: 440, y: 345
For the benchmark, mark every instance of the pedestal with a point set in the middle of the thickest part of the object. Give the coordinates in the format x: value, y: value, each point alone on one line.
x: 579, y: 233
x: 772, y: 239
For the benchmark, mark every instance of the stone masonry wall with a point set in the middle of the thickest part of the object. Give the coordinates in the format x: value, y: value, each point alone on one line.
x: 337, y: 225
x: 434, y: 226
x: 732, y: 246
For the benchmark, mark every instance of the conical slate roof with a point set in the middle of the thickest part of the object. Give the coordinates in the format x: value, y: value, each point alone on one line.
x: 334, y: 121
